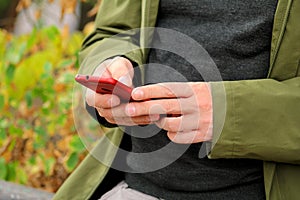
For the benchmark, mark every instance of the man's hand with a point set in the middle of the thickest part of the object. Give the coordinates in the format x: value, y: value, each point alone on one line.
x: 186, y: 107
x: 120, y: 69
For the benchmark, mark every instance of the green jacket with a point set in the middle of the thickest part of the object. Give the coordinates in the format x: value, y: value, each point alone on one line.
x: 262, y: 116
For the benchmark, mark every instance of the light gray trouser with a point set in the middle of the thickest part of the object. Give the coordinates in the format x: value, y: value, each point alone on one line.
x: 123, y: 192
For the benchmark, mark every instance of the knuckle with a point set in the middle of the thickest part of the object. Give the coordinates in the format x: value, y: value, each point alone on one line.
x: 205, y: 123
x: 100, y: 111
x: 105, y: 113
x: 120, y: 61
x: 142, y: 109
x: 169, y: 92
x: 169, y: 106
x: 171, y: 126
x: 111, y: 120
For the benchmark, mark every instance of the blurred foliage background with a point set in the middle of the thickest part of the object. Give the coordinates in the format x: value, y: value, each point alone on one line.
x: 39, y: 145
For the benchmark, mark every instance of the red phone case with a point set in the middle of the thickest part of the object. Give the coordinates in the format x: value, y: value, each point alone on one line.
x: 105, y: 86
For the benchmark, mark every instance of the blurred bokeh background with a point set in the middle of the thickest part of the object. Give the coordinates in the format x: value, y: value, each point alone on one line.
x: 39, y: 45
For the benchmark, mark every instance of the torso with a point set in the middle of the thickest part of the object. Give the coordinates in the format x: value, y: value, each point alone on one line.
x: 237, y: 35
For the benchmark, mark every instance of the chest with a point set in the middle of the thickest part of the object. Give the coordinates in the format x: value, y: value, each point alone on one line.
x: 220, y: 10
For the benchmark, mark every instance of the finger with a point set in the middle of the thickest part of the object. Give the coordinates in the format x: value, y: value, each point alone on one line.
x: 188, y: 137
x: 162, y: 106
x: 179, y: 124
x: 114, y: 112
x: 121, y: 69
x: 134, y: 121
x: 101, y: 70
x: 162, y: 90
x: 101, y: 100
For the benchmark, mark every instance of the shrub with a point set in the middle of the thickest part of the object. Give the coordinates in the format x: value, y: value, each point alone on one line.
x: 39, y: 145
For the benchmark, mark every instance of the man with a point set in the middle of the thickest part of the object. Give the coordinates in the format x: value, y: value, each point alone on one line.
x: 261, y: 113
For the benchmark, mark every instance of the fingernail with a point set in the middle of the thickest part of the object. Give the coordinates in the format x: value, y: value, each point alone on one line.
x: 130, y: 110
x: 137, y: 93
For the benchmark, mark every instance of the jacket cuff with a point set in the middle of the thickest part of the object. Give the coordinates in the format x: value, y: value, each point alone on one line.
x: 222, y: 146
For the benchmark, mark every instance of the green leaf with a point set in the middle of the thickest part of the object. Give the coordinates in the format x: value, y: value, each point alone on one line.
x: 15, y: 131
x: 47, y: 68
x: 12, y: 145
x: 77, y: 64
x: 49, y: 164
x: 51, y: 32
x: 72, y: 161
x: 61, y: 119
x: 15, y: 52
x: 13, y: 56
x: 22, y: 175
x: 32, y: 39
x: 3, y: 169
x: 41, y: 138
x: 28, y: 98
x: 4, y: 123
x: 2, y: 102
x: 2, y: 134
x: 65, y: 63
x: 24, y: 124
x: 10, y: 72
x: 32, y: 160
x: 40, y: 131
x: 68, y: 78
x: 28, y: 73
x: 76, y: 144
x: 12, y: 171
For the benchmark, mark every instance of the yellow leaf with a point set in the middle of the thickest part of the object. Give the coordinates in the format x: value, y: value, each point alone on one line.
x: 23, y: 4
x: 38, y: 14
x: 65, y: 33
x: 67, y: 7
x: 89, y: 28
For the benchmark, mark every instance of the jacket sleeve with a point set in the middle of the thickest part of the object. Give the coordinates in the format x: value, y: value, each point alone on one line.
x: 115, y: 34
x: 257, y: 119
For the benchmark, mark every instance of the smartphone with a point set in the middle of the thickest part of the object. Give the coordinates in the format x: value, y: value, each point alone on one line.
x: 105, y: 86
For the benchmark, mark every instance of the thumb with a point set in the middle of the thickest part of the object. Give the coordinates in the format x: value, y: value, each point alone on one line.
x: 126, y: 79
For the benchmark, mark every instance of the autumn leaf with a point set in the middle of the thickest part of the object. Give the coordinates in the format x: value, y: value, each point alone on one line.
x: 38, y: 14
x: 23, y: 4
x: 68, y: 7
